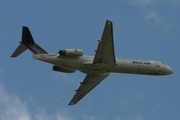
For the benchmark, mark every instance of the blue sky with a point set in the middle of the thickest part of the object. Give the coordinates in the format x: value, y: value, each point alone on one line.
x: 143, y: 29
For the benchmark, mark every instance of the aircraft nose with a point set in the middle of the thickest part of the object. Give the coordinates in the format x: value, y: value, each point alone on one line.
x: 168, y: 70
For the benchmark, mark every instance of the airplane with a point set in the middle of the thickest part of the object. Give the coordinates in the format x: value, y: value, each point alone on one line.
x: 96, y: 67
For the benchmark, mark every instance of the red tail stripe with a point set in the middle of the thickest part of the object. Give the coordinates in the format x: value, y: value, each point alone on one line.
x: 32, y: 50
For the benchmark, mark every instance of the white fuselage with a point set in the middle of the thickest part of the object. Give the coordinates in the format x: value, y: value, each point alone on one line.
x: 85, y: 65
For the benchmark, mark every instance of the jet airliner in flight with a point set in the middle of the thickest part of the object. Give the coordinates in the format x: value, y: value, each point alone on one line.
x: 96, y: 67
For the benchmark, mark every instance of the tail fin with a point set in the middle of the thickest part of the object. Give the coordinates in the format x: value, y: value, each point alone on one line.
x: 28, y: 42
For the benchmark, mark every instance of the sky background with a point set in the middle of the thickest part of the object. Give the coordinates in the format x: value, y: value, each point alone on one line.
x: 143, y: 29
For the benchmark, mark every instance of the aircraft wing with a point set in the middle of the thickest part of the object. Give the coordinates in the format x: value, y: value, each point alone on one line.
x: 105, y: 49
x: 104, y: 56
x: 86, y: 86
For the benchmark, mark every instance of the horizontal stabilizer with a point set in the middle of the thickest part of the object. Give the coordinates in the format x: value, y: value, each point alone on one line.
x: 21, y: 48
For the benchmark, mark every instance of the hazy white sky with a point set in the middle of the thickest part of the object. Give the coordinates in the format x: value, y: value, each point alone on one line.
x: 143, y: 29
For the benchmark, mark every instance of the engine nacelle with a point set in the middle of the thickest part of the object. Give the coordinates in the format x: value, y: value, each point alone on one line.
x: 60, y: 69
x: 71, y: 52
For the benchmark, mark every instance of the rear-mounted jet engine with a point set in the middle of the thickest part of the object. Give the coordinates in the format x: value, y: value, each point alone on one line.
x: 71, y: 52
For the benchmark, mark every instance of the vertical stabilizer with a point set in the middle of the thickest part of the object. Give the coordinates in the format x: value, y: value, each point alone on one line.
x: 26, y: 36
x: 27, y: 42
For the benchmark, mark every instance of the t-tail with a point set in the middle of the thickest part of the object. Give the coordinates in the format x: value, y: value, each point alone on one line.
x: 27, y: 42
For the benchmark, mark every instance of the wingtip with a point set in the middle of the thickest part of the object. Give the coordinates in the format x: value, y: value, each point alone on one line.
x: 109, y: 21
x: 24, y: 26
x: 12, y: 56
x: 70, y: 104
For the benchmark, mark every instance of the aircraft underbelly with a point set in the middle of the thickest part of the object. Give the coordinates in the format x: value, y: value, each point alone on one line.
x: 136, y: 69
x: 90, y: 68
x: 72, y: 64
x: 65, y: 62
